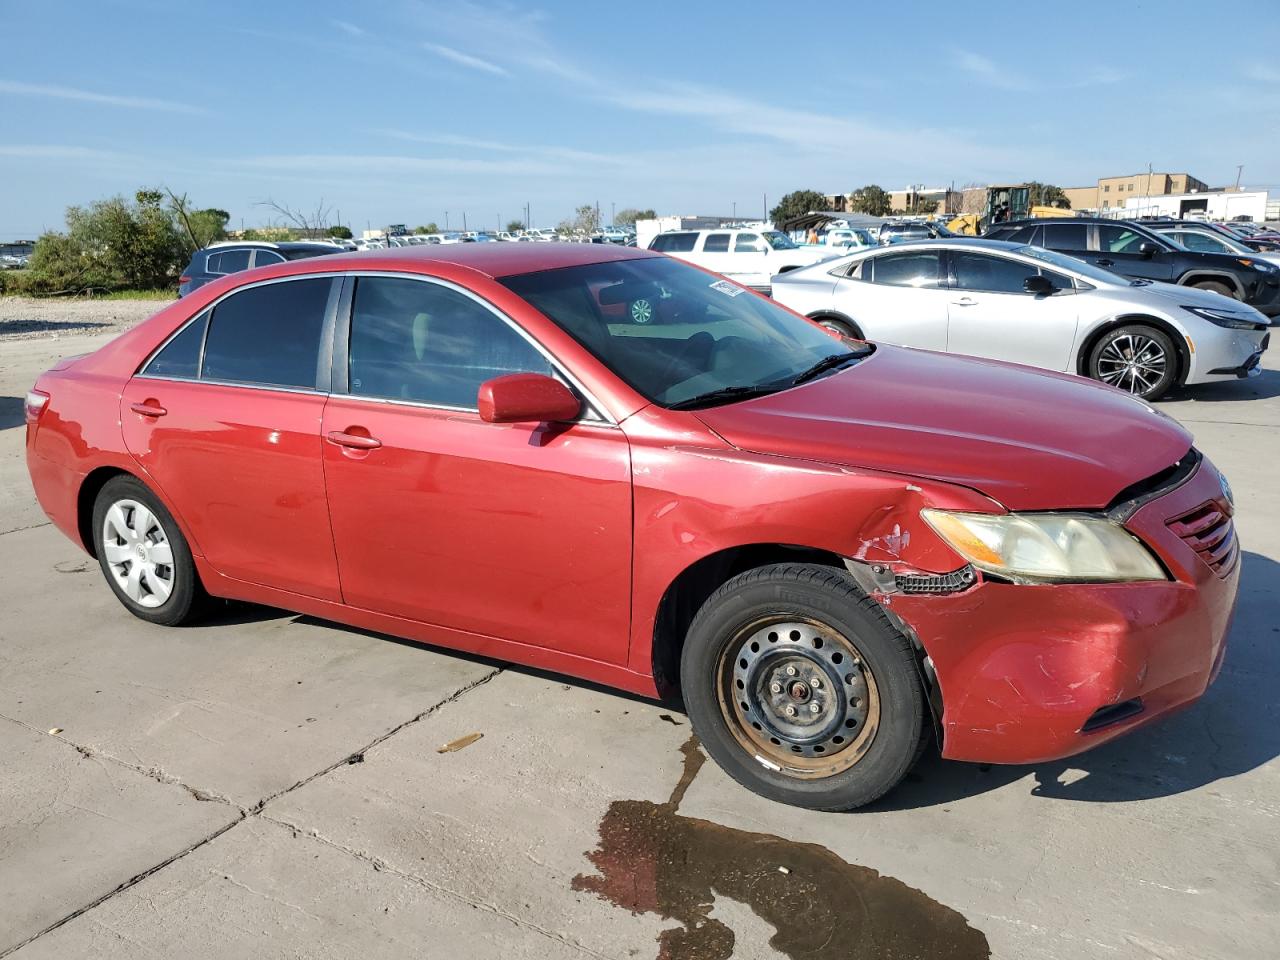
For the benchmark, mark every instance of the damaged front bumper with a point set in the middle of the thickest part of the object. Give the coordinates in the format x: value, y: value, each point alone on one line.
x: 1029, y: 673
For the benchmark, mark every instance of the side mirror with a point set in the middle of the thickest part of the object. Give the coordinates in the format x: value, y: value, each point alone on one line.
x: 1038, y: 285
x: 526, y: 398
x: 1148, y: 249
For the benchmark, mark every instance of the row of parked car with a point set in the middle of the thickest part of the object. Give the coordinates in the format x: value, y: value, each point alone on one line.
x: 1141, y: 306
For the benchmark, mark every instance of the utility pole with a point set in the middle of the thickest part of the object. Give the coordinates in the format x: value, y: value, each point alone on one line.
x: 735, y: 211
x: 1239, y: 170
x: 613, y: 213
x: 464, y: 221
x: 446, y: 221
x: 765, y: 201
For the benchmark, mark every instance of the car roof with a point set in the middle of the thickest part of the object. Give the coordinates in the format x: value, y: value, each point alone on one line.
x: 493, y: 259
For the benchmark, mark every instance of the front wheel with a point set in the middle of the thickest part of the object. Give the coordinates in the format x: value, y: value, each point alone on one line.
x: 1136, y: 358
x: 841, y: 327
x: 801, y: 689
x: 143, y: 554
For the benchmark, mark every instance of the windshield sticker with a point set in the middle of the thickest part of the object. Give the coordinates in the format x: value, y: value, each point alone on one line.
x: 727, y: 288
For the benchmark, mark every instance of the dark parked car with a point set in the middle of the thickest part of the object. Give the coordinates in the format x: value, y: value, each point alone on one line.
x: 222, y: 258
x: 1134, y: 250
x: 912, y: 230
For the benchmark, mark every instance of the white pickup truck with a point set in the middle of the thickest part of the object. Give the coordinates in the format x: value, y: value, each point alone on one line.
x: 751, y: 257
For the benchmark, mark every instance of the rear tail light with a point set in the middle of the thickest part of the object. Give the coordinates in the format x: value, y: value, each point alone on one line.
x: 36, y: 402
x: 184, y: 279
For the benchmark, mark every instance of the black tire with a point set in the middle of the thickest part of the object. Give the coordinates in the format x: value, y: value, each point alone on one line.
x: 850, y: 775
x: 186, y: 598
x: 842, y: 327
x: 1213, y: 286
x: 1155, y: 367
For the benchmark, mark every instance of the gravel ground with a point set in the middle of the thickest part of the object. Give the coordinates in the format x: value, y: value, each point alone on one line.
x: 25, y: 318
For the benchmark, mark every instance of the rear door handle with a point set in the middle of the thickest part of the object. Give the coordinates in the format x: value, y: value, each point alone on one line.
x: 352, y: 440
x: 148, y: 408
x: 965, y: 302
x: 1105, y: 262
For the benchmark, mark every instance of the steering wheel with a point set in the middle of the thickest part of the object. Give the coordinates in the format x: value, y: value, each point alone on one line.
x: 701, y: 340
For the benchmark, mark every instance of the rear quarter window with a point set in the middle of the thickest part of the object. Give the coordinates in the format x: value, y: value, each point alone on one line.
x: 673, y: 242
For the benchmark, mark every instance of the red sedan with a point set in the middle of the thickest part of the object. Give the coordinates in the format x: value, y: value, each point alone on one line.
x: 614, y: 465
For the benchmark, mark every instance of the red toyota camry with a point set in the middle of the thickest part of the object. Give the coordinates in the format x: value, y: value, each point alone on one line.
x: 611, y: 464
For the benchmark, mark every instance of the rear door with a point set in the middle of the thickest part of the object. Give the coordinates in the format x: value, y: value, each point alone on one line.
x: 991, y: 314
x: 225, y: 418
x: 899, y: 297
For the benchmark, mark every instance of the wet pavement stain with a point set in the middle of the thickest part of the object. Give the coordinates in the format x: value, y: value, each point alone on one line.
x: 652, y: 860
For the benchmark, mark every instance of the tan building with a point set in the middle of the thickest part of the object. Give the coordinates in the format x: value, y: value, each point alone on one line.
x: 1111, y: 192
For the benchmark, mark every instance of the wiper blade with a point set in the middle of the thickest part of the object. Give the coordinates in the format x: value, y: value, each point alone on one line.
x: 828, y: 363
x: 711, y: 397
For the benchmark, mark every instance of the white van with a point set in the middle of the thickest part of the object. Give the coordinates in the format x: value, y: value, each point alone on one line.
x: 751, y: 257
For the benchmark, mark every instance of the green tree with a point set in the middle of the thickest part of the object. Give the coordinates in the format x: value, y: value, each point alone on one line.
x: 196, y: 228
x: 514, y: 226
x: 923, y: 205
x: 1046, y: 195
x: 341, y: 233
x: 628, y: 217
x: 429, y: 228
x: 797, y: 204
x: 586, y: 219
x: 871, y: 199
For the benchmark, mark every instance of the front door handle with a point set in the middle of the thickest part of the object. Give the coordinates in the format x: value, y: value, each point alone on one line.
x: 148, y: 408
x: 965, y: 302
x: 352, y: 440
x: 1105, y: 262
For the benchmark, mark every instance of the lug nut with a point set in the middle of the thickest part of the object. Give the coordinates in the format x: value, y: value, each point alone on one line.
x: 791, y: 671
x: 813, y: 708
x: 775, y: 687
x: 791, y: 711
x: 816, y: 683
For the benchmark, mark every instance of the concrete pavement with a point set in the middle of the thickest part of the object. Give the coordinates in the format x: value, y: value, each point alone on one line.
x: 268, y: 785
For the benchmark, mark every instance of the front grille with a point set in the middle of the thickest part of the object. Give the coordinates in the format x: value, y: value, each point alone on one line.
x: 1210, y: 533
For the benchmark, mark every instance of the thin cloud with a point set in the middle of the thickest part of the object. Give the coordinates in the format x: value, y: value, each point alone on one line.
x: 40, y: 151
x: 348, y: 28
x: 91, y: 96
x: 465, y: 59
x: 471, y: 143
x: 987, y: 70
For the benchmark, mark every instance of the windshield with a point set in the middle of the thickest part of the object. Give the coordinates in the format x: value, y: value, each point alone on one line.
x: 779, y: 240
x: 1079, y: 267
x: 672, y: 331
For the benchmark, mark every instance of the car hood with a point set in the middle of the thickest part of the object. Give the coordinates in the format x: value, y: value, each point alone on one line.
x: 1169, y: 294
x: 1030, y: 439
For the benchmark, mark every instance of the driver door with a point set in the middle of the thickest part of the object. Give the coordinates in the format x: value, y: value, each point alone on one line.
x: 515, y: 531
x: 1118, y: 251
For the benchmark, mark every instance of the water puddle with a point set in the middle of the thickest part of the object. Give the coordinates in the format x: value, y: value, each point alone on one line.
x: 652, y: 860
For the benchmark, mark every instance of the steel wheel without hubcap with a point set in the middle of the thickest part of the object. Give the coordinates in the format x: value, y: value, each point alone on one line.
x: 798, y: 696
x: 138, y: 554
x: 1133, y: 362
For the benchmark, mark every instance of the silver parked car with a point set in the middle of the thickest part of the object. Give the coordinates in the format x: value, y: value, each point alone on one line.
x: 1033, y: 306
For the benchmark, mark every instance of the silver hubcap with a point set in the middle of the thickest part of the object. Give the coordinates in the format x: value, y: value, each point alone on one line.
x: 1132, y: 362
x: 138, y: 553
x: 641, y: 311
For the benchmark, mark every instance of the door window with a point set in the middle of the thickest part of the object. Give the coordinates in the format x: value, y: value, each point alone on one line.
x: 180, y: 357
x: 424, y: 342
x: 1065, y: 236
x: 268, y: 335
x: 748, y: 243
x: 716, y: 243
x: 673, y: 242
x: 262, y: 257
x: 915, y: 269
x: 228, y: 261
x: 1201, y: 243
x: 1119, y: 239
x: 977, y: 271
x: 1022, y: 235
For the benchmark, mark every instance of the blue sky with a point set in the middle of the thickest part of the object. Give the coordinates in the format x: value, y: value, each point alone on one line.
x: 399, y: 111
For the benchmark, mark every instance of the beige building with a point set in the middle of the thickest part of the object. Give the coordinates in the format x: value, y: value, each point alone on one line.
x: 1111, y: 192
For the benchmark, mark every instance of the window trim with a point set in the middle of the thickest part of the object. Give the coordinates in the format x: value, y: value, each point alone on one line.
x: 342, y: 342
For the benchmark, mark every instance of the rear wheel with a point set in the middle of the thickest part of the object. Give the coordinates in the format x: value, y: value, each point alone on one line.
x: 1136, y: 358
x: 143, y: 554
x: 800, y: 688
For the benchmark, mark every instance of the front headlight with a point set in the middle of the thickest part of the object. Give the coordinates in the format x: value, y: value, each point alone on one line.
x: 1260, y: 265
x: 1046, y: 547
x: 1231, y: 319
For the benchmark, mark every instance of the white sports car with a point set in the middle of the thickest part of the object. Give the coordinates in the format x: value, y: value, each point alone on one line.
x: 1028, y: 305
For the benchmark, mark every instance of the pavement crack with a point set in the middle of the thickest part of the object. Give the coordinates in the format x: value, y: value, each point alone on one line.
x: 135, y: 879
x: 357, y: 756
x: 34, y: 526
x: 380, y: 865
